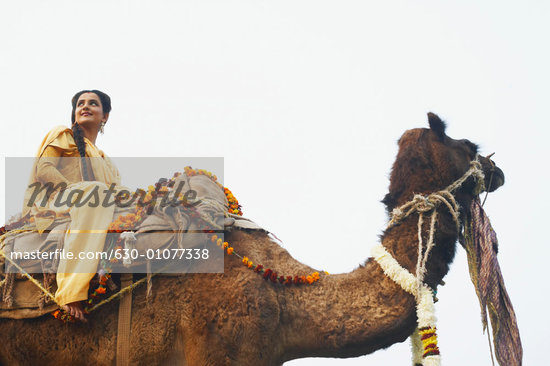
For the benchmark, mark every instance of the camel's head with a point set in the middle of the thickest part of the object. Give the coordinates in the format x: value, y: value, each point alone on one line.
x: 428, y: 161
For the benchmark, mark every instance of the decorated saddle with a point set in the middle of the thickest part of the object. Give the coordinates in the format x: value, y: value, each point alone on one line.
x: 141, y: 239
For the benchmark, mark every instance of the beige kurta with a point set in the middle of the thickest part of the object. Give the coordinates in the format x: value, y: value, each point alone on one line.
x: 58, y: 161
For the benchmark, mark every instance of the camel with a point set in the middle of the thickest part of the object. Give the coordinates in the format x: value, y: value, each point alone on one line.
x: 237, y: 318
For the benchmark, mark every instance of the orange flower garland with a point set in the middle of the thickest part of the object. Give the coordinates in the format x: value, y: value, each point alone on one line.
x: 143, y: 208
x: 235, y: 208
x: 267, y: 273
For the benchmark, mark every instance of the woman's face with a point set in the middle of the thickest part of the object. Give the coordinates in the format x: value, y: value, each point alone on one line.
x: 89, y: 110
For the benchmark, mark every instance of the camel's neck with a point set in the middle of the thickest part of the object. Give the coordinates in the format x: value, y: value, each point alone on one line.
x: 353, y: 314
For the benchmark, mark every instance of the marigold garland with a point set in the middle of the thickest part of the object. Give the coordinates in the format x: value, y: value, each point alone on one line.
x: 235, y: 208
x: 267, y: 273
x: 144, y: 207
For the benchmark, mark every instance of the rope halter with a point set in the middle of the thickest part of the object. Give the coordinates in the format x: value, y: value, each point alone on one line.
x: 424, y: 204
x: 424, y: 339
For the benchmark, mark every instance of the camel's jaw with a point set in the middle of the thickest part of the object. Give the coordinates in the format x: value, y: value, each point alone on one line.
x: 494, y: 177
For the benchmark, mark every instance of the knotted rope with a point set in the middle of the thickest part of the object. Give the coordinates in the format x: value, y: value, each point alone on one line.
x: 424, y: 339
x: 430, y: 203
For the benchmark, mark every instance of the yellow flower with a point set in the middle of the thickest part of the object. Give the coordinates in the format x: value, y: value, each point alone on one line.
x: 225, y: 244
x: 229, y: 250
x: 245, y: 260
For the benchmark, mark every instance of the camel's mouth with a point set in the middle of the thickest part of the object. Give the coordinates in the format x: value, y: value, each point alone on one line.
x: 494, y: 177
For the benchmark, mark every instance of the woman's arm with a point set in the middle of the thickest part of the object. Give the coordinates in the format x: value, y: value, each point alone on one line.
x: 46, y: 168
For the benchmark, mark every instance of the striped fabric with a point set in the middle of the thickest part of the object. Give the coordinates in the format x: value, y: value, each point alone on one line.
x: 482, y: 248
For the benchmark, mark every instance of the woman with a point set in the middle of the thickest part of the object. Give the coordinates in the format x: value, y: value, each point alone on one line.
x: 69, y: 160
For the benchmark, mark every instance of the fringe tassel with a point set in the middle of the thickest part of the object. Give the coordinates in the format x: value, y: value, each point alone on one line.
x: 8, y: 289
x: 48, y: 281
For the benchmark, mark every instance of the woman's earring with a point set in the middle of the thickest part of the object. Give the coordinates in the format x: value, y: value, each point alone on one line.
x: 101, y: 127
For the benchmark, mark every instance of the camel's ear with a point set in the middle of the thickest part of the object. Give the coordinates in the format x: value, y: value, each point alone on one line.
x: 437, y: 125
x: 389, y: 200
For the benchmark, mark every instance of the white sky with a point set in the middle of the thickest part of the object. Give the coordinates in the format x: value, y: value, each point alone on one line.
x: 305, y: 100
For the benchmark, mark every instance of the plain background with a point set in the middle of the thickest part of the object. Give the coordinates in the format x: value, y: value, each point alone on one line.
x: 305, y: 100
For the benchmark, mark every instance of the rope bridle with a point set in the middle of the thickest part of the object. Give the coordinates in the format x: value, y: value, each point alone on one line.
x: 424, y: 339
x: 430, y: 203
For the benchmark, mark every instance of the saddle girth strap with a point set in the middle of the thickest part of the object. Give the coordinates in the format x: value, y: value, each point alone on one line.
x: 124, y: 322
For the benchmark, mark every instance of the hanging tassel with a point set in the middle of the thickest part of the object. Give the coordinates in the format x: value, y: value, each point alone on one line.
x: 8, y: 289
x: 48, y: 281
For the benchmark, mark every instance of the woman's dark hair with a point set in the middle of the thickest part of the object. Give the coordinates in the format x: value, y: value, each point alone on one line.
x: 77, y: 131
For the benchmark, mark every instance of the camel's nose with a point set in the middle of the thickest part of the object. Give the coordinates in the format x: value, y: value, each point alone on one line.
x: 494, y: 177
